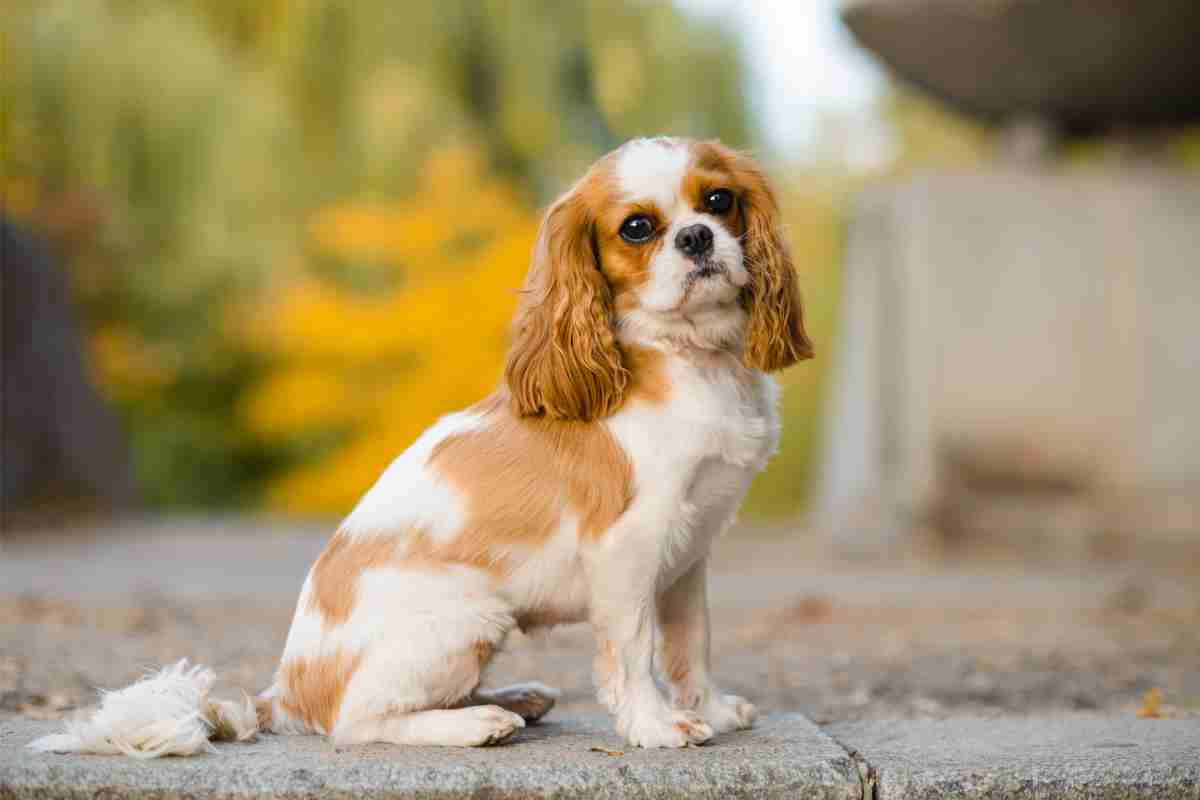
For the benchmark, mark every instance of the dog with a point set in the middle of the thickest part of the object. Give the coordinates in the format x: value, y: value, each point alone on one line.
x: 634, y: 411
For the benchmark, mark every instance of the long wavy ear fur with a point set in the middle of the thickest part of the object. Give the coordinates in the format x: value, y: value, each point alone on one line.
x: 775, y: 335
x: 564, y: 362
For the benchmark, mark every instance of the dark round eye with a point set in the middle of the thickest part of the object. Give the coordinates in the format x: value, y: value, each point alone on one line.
x: 719, y: 201
x: 637, y: 229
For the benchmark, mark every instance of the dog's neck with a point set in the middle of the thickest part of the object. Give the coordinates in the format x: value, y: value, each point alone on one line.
x: 700, y: 332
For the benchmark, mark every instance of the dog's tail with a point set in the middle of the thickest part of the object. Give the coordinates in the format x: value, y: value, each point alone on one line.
x: 168, y: 713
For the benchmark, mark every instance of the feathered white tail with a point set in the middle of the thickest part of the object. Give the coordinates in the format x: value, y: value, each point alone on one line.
x: 164, y: 714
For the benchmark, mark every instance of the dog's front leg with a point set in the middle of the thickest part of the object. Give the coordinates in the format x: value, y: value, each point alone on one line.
x: 624, y: 617
x: 683, y: 655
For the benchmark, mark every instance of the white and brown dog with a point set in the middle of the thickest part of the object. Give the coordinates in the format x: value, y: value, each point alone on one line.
x: 634, y: 412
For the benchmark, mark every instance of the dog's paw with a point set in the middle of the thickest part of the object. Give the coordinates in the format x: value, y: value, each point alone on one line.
x: 728, y: 712
x: 485, y: 725
x: 531, y: 701
x: 669, y: 729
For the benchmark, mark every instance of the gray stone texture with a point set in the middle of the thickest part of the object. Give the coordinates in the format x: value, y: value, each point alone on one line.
x: 784, y: 756
x: 1067, y: 757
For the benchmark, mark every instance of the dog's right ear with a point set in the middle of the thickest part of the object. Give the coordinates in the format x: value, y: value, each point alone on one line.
x: 564, y: 362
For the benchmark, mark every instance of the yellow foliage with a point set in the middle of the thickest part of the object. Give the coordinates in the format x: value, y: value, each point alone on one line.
x: 18, y: 196
x: 387, y: 364
x: 296, y: 400
x: 127, y: 366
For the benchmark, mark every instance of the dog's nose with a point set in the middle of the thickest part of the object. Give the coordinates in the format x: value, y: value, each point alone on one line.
x: 694, y: 240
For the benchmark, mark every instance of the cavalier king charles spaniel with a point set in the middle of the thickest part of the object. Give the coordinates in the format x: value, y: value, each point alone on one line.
x: 634, y: 412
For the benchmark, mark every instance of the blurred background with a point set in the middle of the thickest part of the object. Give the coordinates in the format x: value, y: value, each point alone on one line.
x: 251, y: 248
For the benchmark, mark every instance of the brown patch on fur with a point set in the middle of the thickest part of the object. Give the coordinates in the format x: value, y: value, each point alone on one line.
x: 625, y: 265
x: 519, y: 474
x: 648, y: 370
x: 564, y: 363
x: 702, y: 179
x: 676, y: 664
x: 313, y: 688
x: 775, y: 335
x: 484, y: 650
x: 335, y: 575
x: 424, y: 549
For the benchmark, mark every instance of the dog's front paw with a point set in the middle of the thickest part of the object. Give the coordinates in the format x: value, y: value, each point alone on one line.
x: 668, y: 729
x: 728, y: 712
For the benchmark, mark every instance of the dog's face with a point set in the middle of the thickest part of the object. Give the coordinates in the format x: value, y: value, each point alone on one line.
x: 669, y: 219
x: 664, y: 234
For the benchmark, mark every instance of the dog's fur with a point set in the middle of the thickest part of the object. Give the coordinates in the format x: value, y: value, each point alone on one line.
x: 634, y: 412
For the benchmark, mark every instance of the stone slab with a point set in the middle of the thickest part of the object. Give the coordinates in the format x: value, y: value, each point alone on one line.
x: 784, y: 756
x: 1061, y: 757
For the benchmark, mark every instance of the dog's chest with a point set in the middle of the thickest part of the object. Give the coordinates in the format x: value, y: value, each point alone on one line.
x: 722, y: 415
x: 694, y: 455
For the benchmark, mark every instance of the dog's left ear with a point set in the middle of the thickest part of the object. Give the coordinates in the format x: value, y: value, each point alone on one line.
x: 775, y: 335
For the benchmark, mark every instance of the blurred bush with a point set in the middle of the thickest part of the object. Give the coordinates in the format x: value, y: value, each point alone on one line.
x: 295, y: 228
x: 369, y: 362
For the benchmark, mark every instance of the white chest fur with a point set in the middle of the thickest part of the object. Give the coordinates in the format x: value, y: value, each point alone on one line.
x: 695, y: 455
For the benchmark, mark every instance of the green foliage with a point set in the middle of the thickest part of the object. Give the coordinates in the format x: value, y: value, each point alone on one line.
x: 178, y: 152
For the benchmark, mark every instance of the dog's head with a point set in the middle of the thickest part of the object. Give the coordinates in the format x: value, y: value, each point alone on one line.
x: 661, y: 234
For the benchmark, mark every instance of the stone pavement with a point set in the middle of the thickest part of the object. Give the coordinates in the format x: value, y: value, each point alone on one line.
x: 1063, y: 757
x: 927, y: 682
x: 784, y: 757
x: 1055, y: 757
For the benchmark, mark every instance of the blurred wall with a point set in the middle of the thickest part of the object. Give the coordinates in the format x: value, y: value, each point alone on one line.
x: 1019, y: 359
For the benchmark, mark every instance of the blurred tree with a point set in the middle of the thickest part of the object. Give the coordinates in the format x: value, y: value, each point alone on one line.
x: 360, y: 370
x: 209, y: 165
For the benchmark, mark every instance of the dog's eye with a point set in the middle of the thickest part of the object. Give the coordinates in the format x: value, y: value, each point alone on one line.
x: 719, y: 201
x: 637, y: 229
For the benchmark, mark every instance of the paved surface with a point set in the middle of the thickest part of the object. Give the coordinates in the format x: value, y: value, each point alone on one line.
x: 1057, y: 757
x: 785, y: 757
x: 794, y: 630
x: 897, y: 661
x: 1062, y: 757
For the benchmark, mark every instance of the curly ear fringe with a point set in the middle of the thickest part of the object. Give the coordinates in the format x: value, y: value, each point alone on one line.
x: 775, y: 335
x: 564, y: 362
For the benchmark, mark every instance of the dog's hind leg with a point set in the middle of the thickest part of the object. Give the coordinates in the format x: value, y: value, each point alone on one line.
x: 453, y: 713
x: 422, y: 659
x: 473, y: 726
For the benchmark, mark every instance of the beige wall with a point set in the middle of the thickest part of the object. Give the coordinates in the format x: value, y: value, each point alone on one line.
x: 1037, y: 330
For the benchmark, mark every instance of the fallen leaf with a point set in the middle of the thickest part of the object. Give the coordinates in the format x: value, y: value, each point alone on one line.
x: 1151, y: 707
x: 606, y: 751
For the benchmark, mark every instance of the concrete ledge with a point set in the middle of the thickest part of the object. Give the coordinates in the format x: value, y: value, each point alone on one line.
x: 1062, y: 757
x: 785, y: 756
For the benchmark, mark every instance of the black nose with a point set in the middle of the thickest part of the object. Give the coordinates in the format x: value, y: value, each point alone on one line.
x: 694, y: 240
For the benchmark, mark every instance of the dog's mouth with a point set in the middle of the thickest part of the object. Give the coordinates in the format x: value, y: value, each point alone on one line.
x: 706, y: 283
x: 704, y: 270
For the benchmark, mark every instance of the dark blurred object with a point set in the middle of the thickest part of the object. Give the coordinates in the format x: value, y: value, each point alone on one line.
x: 1084, y: 66
x: 60, y: 447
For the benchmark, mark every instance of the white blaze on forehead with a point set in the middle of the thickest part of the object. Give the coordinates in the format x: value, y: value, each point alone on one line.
x: 652, y: 169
